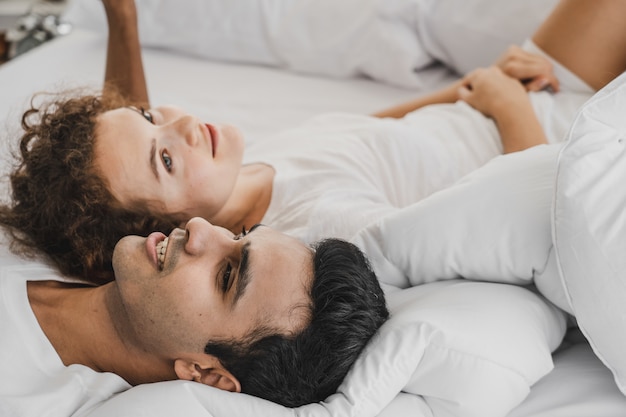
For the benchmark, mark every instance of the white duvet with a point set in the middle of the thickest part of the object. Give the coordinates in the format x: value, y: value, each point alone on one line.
x: 552, y: 216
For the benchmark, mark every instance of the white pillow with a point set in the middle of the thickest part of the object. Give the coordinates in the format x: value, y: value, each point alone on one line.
x: 329, y: 37
x: 492, y: 225
x: 466, y: 34
x: 589, y: 224
x: 387, y: 40
x: 461, y: 348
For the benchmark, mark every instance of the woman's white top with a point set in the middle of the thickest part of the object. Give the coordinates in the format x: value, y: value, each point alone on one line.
x: 338, y: 172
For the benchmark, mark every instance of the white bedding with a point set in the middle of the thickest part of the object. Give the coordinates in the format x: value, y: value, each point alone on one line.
x: 578, y: 386
x: 391, y: 41
x: 261, y: 101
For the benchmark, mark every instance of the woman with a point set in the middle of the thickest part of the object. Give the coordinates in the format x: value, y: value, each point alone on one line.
x: 95, y: 168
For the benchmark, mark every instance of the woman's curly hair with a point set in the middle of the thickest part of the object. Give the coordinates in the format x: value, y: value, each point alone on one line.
x: 60, y: 205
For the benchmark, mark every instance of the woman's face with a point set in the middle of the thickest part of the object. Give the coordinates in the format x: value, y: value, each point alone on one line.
x: 168, y: 161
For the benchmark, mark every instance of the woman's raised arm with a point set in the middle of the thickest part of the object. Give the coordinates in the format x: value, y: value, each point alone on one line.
x: 124, y: 66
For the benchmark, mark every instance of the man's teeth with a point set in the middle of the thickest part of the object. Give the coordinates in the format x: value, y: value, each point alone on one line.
x: 161, y: 248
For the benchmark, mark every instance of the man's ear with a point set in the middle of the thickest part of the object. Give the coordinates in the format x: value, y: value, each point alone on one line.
x: 207, y: 370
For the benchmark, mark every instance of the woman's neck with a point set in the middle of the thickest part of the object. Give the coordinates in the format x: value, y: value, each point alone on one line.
x: 250, y: 199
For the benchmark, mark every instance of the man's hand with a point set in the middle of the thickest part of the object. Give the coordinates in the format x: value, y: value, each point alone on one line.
x: 534, y: 71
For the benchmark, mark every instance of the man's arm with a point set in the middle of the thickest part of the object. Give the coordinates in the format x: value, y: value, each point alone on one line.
x: 506, y: 101
x: 124, y: 66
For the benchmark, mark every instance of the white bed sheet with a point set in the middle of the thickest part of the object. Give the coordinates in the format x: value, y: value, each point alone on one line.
x: 261, y: 101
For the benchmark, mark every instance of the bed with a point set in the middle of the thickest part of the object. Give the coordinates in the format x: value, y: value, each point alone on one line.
x: 269, y: 85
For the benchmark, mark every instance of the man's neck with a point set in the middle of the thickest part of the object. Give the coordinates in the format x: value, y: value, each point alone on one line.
x: 78, y: 324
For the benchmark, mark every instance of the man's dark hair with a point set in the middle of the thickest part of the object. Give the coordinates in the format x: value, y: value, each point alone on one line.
x: 347, y: 308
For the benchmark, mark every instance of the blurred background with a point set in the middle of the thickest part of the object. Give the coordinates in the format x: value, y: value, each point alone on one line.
x: 25, y: 24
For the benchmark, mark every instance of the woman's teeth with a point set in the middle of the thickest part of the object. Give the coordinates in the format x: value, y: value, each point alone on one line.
x: 161, y: 248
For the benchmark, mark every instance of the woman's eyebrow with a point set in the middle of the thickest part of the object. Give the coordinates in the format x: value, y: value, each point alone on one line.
x: 153, y: 165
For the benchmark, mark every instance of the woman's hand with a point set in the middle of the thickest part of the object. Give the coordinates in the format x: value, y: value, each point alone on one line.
x: 534, y: 71
x: 504, y: 99
x: 492, y: 92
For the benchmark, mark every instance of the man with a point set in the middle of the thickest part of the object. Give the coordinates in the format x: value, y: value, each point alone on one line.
x: 259, y: 313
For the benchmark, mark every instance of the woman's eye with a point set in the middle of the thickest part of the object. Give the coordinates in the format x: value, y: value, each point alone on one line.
x: 147, y: 115
x: 167, y: 161
x: 226, y: 278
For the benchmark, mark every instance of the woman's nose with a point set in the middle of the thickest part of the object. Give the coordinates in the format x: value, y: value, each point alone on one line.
x: 186, y: 127
x: 204, y: 238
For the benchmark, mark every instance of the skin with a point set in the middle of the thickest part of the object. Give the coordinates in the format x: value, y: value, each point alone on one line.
x: 187, y: 299
x: 152, y: 323
x: 505, y: 100
x: 168, y: 160
x: 251, y: 192
x: 124, y: 66
x: 588, y: 37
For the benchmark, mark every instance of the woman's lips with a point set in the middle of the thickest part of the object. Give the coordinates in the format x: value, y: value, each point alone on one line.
x: 214, y: 138
x: 151, y: 242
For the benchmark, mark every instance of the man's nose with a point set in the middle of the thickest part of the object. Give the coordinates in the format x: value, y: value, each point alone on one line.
x: 203, y: 238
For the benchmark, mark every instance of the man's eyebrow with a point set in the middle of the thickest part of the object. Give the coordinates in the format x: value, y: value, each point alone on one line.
x: 153, y: 166
x: 244, y: 273
x: 254, y: 227
x: 244, y: 270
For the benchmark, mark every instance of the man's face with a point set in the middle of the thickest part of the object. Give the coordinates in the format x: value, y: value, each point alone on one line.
x: 210, y: 285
